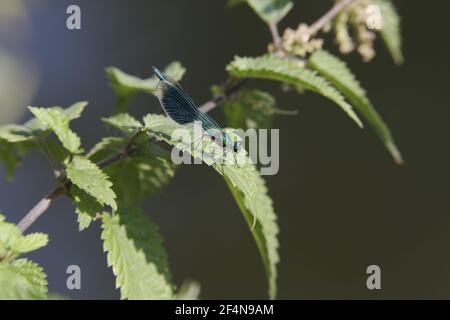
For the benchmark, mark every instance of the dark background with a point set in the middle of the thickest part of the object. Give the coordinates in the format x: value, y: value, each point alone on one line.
x: 342, y: 202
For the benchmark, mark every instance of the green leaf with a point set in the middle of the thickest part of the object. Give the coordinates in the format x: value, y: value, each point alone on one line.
x: 336, y: 71
x: 13, y: 243
x: 250, y: 109
x: 155, y: 169
x: 144, y: 172
x: 125, y: 178
x: 22, y: 280
x: 35, y: 128
x: 123, y: 122
x: 247, y: 187
x: 17, y: 140
x: 86, y: 207
x: 390, y: 30
x: 124, y: 83
x: 57, y: 152
x: 287, y: 71
x: 89, y: 177
x: 56, y: 121
x: 74, y: 111
x: 106, y: 147
x: 12, y: 154
x: 136, y: 255
x: 9, y: 158
x: 271, y: 11
x: 250, y: 192
x: 30, y: 242
x: 233, y: 3
x: 15, y: 133
x: 84, y: 219
x: 9, y: 234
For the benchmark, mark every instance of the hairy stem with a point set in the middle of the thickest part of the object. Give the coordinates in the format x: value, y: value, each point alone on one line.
x: 327, y: 17
x: 39, y: 208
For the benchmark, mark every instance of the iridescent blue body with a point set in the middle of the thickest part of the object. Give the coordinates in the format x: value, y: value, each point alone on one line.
x: 179, y: 106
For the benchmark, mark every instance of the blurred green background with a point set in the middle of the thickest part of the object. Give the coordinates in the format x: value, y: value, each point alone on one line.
x: 342, y: 202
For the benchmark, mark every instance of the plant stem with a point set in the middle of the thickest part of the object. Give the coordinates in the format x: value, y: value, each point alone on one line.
x: 275, y: 36
x: 48, y: 200
x: 39, y: 208
x: 327, y: 17
x: 208, y: 106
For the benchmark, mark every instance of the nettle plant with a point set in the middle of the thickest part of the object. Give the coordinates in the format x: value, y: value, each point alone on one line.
x: 108, y: 182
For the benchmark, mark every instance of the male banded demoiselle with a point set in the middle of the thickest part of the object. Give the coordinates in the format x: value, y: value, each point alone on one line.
x: 179, y: 106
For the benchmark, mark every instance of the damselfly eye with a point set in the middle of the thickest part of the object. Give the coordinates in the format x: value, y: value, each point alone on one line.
x: 213, y: 138
x: 237, y: 146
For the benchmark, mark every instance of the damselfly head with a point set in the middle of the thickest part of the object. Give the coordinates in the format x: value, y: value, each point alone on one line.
x: 159, y: 74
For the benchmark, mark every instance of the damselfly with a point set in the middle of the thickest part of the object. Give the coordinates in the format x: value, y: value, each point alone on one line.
x: 179, y: 106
